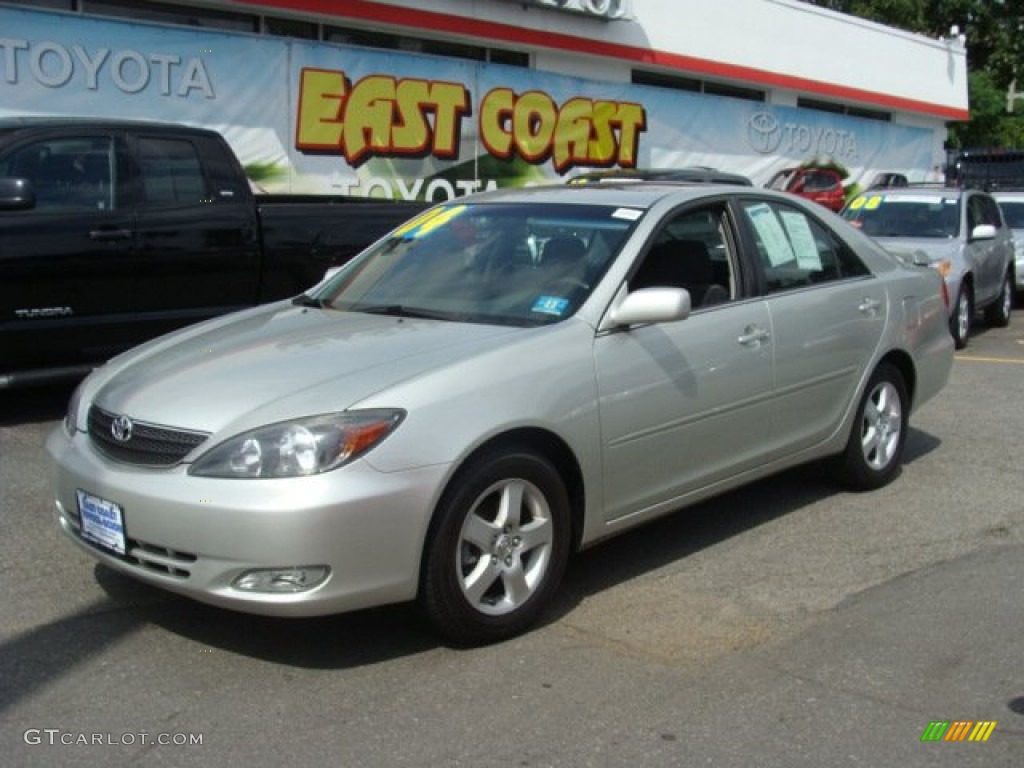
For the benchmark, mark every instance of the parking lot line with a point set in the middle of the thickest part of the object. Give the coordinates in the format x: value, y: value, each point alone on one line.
x: 974, y: 359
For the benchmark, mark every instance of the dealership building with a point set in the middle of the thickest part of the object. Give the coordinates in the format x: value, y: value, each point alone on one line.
x: 435, y: 99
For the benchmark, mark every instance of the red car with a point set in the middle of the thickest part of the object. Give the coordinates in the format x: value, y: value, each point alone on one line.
x: 822, y: 185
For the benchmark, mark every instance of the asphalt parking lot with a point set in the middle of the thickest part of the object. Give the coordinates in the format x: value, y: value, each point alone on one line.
x: 786, y: 624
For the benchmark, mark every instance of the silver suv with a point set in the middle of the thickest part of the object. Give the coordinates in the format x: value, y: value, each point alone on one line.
x: 1012, y: 206
x: 959, y: 232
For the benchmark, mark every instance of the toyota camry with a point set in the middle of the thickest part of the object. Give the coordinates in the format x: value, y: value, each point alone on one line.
x: 501, y: 381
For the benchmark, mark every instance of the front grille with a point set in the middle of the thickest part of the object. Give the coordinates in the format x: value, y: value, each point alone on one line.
x: 169, y: 562
x: 149, y: 445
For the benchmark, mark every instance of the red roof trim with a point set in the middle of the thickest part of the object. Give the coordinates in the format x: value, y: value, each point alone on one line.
x: 401, y: 16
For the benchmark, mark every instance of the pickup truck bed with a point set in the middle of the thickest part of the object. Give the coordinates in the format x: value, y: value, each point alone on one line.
x: 113, y: 232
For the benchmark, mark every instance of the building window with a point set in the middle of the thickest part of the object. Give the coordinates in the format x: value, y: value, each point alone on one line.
x: 733, y: 91
x: 189, y: 16
x: 843, y: 109
x: 306, y: 30
x: 369, y: 39
x: 660, y: 80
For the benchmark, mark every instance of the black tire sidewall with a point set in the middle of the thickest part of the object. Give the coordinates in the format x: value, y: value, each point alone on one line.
x: 954, y: 325
x: 998, y: 314
x: 441, y: 598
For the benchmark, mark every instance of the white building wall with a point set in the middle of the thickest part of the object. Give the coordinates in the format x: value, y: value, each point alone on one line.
x: 777, y: 45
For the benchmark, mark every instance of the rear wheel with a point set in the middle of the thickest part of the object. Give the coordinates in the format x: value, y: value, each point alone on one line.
x: 998, y: 314
x: 960, y: 323
x: 498, y: 548
x: 875, y: 447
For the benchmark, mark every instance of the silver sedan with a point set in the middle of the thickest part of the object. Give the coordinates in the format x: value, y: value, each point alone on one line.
x: 500, y: 381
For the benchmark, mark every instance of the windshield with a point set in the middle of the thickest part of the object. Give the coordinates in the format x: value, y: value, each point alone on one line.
x: 905, y: 216
x: 504, y: 263
x: 1013, y: 212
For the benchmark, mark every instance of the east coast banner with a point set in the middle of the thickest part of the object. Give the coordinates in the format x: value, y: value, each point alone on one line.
x: 316, y: 117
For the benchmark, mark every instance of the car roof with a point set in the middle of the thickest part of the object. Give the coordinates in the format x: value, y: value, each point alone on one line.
x: 627, y: 194
x: 10, y: 124
x: 692, y: 174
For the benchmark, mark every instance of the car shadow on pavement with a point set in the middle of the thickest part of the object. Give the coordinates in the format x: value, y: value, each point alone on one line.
x: 686, y: 532
x: 46, y: 653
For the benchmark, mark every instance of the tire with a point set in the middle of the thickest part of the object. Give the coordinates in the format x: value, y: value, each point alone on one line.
x: 963, y: 314
x: 874, y: 450
x: 497, y: 549
x: 997, y: 315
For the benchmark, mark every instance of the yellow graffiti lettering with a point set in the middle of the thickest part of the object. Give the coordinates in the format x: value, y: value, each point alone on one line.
x: 496, y: 122
x: 321, y: 95
x: 379, y: 115
x: 580, y: 132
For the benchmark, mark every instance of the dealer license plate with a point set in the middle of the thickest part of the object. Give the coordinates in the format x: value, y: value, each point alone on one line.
x: 102, y: 522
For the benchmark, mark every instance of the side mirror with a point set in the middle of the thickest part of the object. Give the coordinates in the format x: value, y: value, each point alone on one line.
x: 16, y: 194
x: 652, y: 305
x: 983, y: 232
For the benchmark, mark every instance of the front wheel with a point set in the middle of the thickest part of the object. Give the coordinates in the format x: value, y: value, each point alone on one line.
x: 875, y: 447
x: 960, y: 323
x: 497, y: 549
x: 997, y: 315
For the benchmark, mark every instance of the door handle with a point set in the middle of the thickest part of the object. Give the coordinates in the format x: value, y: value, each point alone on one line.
x: 753, y: 336
x: 869, y: 306
x: 110, y: 234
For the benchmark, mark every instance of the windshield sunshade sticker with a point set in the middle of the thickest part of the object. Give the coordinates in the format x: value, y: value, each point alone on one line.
x: 629, y: 214
x: 424, y: 225
x: 550, y: 305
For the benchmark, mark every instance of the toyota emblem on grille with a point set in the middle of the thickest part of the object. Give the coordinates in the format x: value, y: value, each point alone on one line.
x: 121, y: 429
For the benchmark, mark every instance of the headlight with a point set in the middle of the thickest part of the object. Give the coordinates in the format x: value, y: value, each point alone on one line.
x: 297, y: 448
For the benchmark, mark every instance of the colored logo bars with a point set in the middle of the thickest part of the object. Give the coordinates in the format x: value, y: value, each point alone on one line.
x: 958, y: 730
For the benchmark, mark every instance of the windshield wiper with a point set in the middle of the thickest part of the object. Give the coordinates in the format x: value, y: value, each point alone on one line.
x: 400, y: 310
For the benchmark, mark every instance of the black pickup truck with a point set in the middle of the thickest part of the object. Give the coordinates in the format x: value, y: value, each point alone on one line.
x: 113, y: 232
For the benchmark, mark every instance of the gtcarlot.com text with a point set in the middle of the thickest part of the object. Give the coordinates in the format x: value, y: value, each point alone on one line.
x: 72, y: 738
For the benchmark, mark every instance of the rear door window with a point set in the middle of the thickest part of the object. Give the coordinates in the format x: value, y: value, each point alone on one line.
x: 172, y: 175
x: 68, y: 173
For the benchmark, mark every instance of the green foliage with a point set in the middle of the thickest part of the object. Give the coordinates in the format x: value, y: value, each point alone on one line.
x: 829, y: 165
x: 262, y: 172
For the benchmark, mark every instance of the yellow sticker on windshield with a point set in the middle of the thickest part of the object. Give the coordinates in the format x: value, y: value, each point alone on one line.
x: 873, y: 202
x: 426, y: 223
x: 416, y: 221
x: 857, y: 204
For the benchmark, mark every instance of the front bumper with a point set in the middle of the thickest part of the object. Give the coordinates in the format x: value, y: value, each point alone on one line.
x: 195, y: 536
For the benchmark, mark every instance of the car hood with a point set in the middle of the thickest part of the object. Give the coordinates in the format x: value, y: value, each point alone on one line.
x: 277, y: 363
x: 935, y: 249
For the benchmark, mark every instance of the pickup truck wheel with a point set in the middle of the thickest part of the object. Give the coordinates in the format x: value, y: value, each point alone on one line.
x: 960, y: 322
x: 997, y: 315
x: 875, y: 447
x: 497, y: 549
